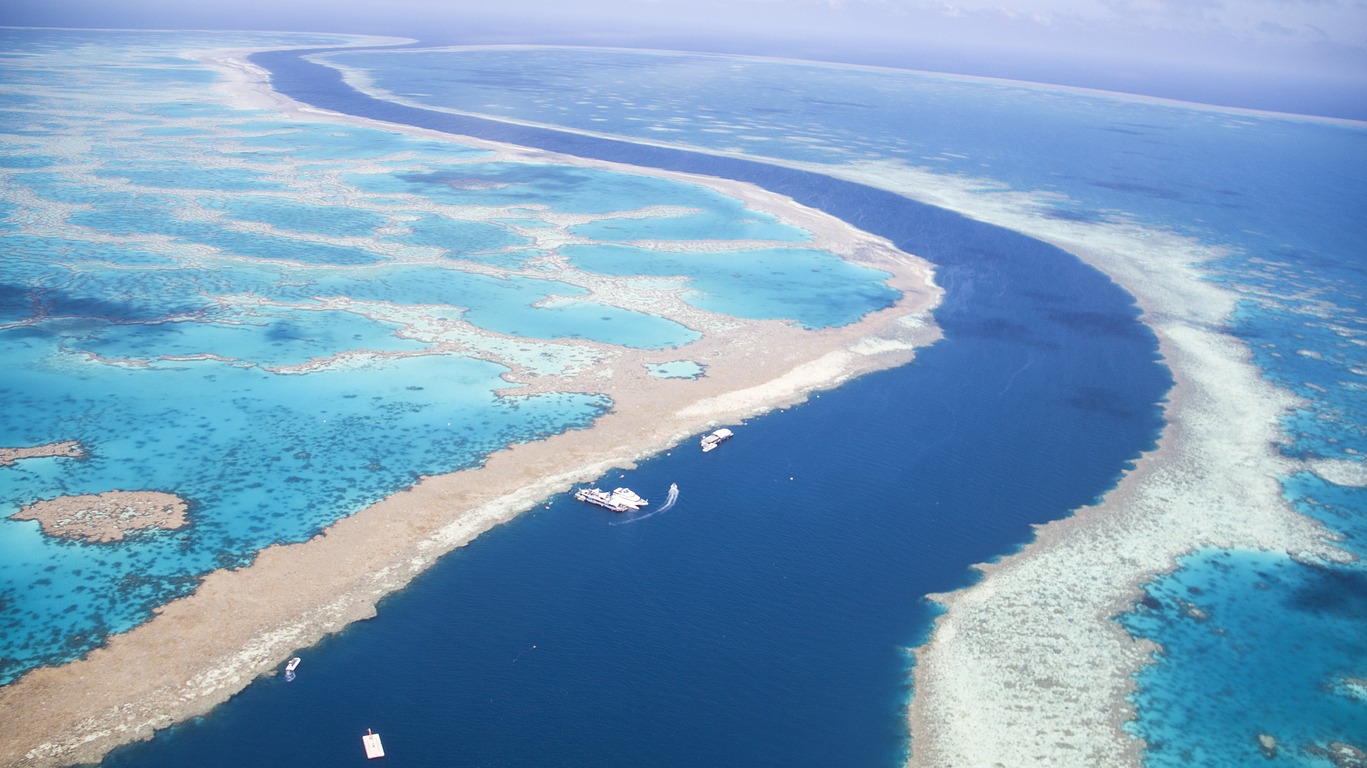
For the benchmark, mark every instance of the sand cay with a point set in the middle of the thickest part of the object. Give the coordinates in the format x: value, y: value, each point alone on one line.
x: 201, y: 649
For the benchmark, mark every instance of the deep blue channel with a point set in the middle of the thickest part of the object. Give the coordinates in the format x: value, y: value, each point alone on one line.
x: 766, y: 619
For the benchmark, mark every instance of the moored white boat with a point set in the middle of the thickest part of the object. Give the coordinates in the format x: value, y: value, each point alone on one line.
x: 628, y: 497
x: 715, y: 439
x: 620, y: 500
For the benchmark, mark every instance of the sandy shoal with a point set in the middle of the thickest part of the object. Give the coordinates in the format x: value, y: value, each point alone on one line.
x: 200, y: 650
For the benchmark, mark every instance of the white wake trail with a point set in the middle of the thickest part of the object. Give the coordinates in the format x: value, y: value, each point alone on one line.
x: 665, y: 507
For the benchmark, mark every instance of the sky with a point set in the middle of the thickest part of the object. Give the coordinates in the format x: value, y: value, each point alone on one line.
x: 1306, y: 56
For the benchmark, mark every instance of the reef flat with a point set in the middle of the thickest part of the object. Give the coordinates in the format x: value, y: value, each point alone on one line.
x: 103, y: 517
x: 70, y: 449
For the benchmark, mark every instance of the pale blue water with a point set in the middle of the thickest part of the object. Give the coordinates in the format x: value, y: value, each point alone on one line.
x: 323, y: 142
x: 291, y: 216
x: 724, y: 221
x: 171, y: 174
x: 280, y: 337
x: 813, y: 287
x: 677, y: 369
x: 197, y: 294
x: 463, y: 239
x: 1283, y: 194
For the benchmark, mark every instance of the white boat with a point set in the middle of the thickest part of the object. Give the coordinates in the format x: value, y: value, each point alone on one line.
x: 373, y: 747
x: 292, y: 665
x: 715, y: 439
x: 628, y: 497
x: 620, y: 500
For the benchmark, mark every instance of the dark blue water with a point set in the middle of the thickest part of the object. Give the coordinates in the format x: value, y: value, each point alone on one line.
x: 766, y: 618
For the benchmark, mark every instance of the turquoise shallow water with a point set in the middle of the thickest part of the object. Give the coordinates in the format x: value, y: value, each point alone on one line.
x: 1281, y: 194
x: 334, y: 221
x: 292, y: 338
x: 816, y: 288
x: 677, y: 369
x: 220, y: 303
x: 471, y: 240
x: 1280, y: 644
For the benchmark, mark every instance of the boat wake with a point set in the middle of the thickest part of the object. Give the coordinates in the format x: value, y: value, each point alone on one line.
x: 665, y: 507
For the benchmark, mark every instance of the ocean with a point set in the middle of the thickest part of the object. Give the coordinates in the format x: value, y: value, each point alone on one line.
x: 769, y: 617
x: 216, y: 307
x: 1279, y: 195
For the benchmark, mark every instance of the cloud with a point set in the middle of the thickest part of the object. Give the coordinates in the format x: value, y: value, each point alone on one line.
x: 1025, y: 39
x: 1273, y: 28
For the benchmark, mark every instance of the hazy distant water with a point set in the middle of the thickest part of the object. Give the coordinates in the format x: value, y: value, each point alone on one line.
x: 1282, y: 194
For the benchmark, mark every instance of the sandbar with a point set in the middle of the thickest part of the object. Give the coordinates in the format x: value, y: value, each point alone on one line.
x: 199, y: 650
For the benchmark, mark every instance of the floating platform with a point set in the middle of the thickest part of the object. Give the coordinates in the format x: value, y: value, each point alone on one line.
x: 373, y: 747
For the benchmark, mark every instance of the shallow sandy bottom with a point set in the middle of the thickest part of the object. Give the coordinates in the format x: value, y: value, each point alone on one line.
x: 201, y: 649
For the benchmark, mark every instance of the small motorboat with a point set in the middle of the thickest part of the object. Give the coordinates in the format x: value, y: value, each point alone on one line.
x: 373, y: 747
x: 715, y: 439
